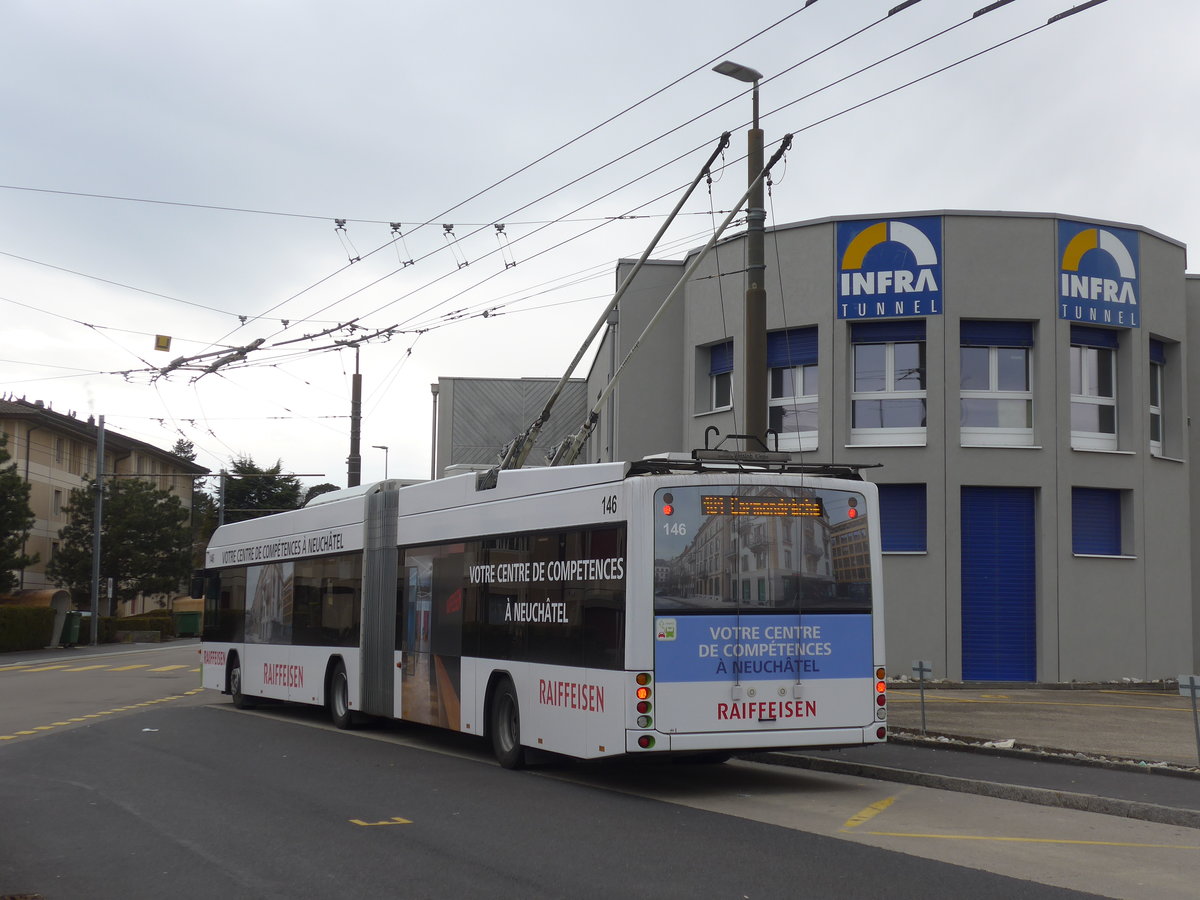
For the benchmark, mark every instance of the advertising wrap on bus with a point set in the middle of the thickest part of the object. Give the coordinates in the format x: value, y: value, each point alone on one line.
x: 522, y: 612
x: 762, y: 609
x: 699, y: 658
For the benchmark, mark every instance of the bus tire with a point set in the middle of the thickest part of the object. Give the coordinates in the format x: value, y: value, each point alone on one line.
x: 505, y: 726
x: 240, y: 700
x: 339, y: 698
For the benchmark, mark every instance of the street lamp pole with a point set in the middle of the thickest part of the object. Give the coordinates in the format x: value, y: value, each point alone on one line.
x: 384, y: 448
x: 754, y: 321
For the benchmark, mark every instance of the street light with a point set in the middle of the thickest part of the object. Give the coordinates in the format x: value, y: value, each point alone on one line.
x: 754, y: 373
x: 384, y: 448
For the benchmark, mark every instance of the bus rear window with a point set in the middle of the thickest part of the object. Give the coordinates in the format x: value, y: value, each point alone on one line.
x: 770, y: 548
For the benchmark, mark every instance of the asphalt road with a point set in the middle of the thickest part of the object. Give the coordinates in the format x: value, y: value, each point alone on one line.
x: 185, y: 797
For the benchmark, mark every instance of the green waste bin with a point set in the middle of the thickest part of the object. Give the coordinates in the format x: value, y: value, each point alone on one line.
x: 70, y: 632
x: 187, y: 623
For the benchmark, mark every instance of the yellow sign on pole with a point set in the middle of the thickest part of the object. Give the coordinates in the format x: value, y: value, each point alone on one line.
x: 162, y: 342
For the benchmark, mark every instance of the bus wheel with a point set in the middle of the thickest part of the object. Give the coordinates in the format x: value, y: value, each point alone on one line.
x: 240, y: 700
x: 506, y: 727
x: 339, y: 698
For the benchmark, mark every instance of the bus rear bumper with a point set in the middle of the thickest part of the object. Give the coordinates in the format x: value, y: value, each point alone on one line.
x: 752, y: 740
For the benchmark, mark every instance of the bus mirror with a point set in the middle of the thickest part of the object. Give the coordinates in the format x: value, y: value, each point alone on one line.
x: 197, y: 591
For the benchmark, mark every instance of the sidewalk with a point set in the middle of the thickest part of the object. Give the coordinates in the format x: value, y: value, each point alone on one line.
x: 1096, y: 750
x: 1139, y: 726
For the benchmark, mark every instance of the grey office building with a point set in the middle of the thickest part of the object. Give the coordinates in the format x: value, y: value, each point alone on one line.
x: 1022, y: 378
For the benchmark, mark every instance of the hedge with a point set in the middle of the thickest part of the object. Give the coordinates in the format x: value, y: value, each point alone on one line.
x: 160, y: 620
x: 25, y: 627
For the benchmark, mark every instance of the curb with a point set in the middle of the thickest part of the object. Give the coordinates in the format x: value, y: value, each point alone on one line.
x: 1166, y: 687
x: 1131, y: 809
x: 966, y: 744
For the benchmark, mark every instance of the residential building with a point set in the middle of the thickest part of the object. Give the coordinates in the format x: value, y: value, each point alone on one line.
x: 56, y: 453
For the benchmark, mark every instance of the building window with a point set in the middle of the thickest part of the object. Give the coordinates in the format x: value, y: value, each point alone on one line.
x: 1093, y: 388
x: 720, y: 376
x: 902, y: 518
x: 1096, y: 522
x: 792, y: 387
x: 888, y: 401
x: 1158, y: 367
x: 58, y: 506
x: 59, y: 451
x: 996, y: 399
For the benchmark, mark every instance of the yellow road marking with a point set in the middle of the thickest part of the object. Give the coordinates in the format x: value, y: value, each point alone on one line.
x: 1024, y: 840
x: 395, y: 820
x: 869, y: 813
x: 88, y: 668
x: 13, y: 668
x: 167, y: 668
x: 47, y: 668
x: 127, y: 668
x: 38, y: 729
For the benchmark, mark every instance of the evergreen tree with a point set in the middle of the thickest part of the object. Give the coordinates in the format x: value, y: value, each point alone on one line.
x: 16, y: 520
x: 317, y: 490
x: 184, y: 449
x: 145, y: 541
x: 251, y: 492
x: 204, y: 523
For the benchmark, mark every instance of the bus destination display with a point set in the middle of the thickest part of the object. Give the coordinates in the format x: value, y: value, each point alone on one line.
x: 711, y: 505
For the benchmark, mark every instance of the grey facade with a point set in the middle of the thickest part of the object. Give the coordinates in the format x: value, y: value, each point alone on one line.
x: 477, y: 417
x: 1096, y: 435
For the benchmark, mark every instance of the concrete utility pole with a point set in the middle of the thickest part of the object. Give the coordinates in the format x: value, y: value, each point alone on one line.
x: 354, y: 462
x: 754, y: 321
x: 97, y: 517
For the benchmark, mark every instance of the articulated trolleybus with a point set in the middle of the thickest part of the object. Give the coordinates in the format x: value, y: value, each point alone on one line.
x: 675, y: 605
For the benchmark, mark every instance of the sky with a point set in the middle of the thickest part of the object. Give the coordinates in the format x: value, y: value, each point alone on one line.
x: 181, y: 169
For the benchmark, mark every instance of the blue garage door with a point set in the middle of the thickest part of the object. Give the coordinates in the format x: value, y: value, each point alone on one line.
x: 999, y: 585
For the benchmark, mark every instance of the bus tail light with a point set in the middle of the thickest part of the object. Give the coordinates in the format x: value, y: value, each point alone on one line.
x: 643, y: 706
x: 643, y: 691
x: 881, y: 732
x: 880, y: 687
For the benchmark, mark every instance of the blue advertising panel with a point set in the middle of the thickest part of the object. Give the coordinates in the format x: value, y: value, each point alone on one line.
x: 762, y: 648
x: 889, y: 268
x: 1098, y: 274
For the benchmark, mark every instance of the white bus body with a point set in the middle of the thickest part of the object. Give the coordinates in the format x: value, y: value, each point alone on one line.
x: 745, y: 606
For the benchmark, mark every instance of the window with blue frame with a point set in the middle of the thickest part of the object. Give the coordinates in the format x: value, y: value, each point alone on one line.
x: 792, y: 386
x: 1096, y: 521
x: 902, y: 518
x: 720, y: 375
x: 1094, y: 387
x: 1158, y: 367
x: 995, y: 382
x: 888, y: 397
